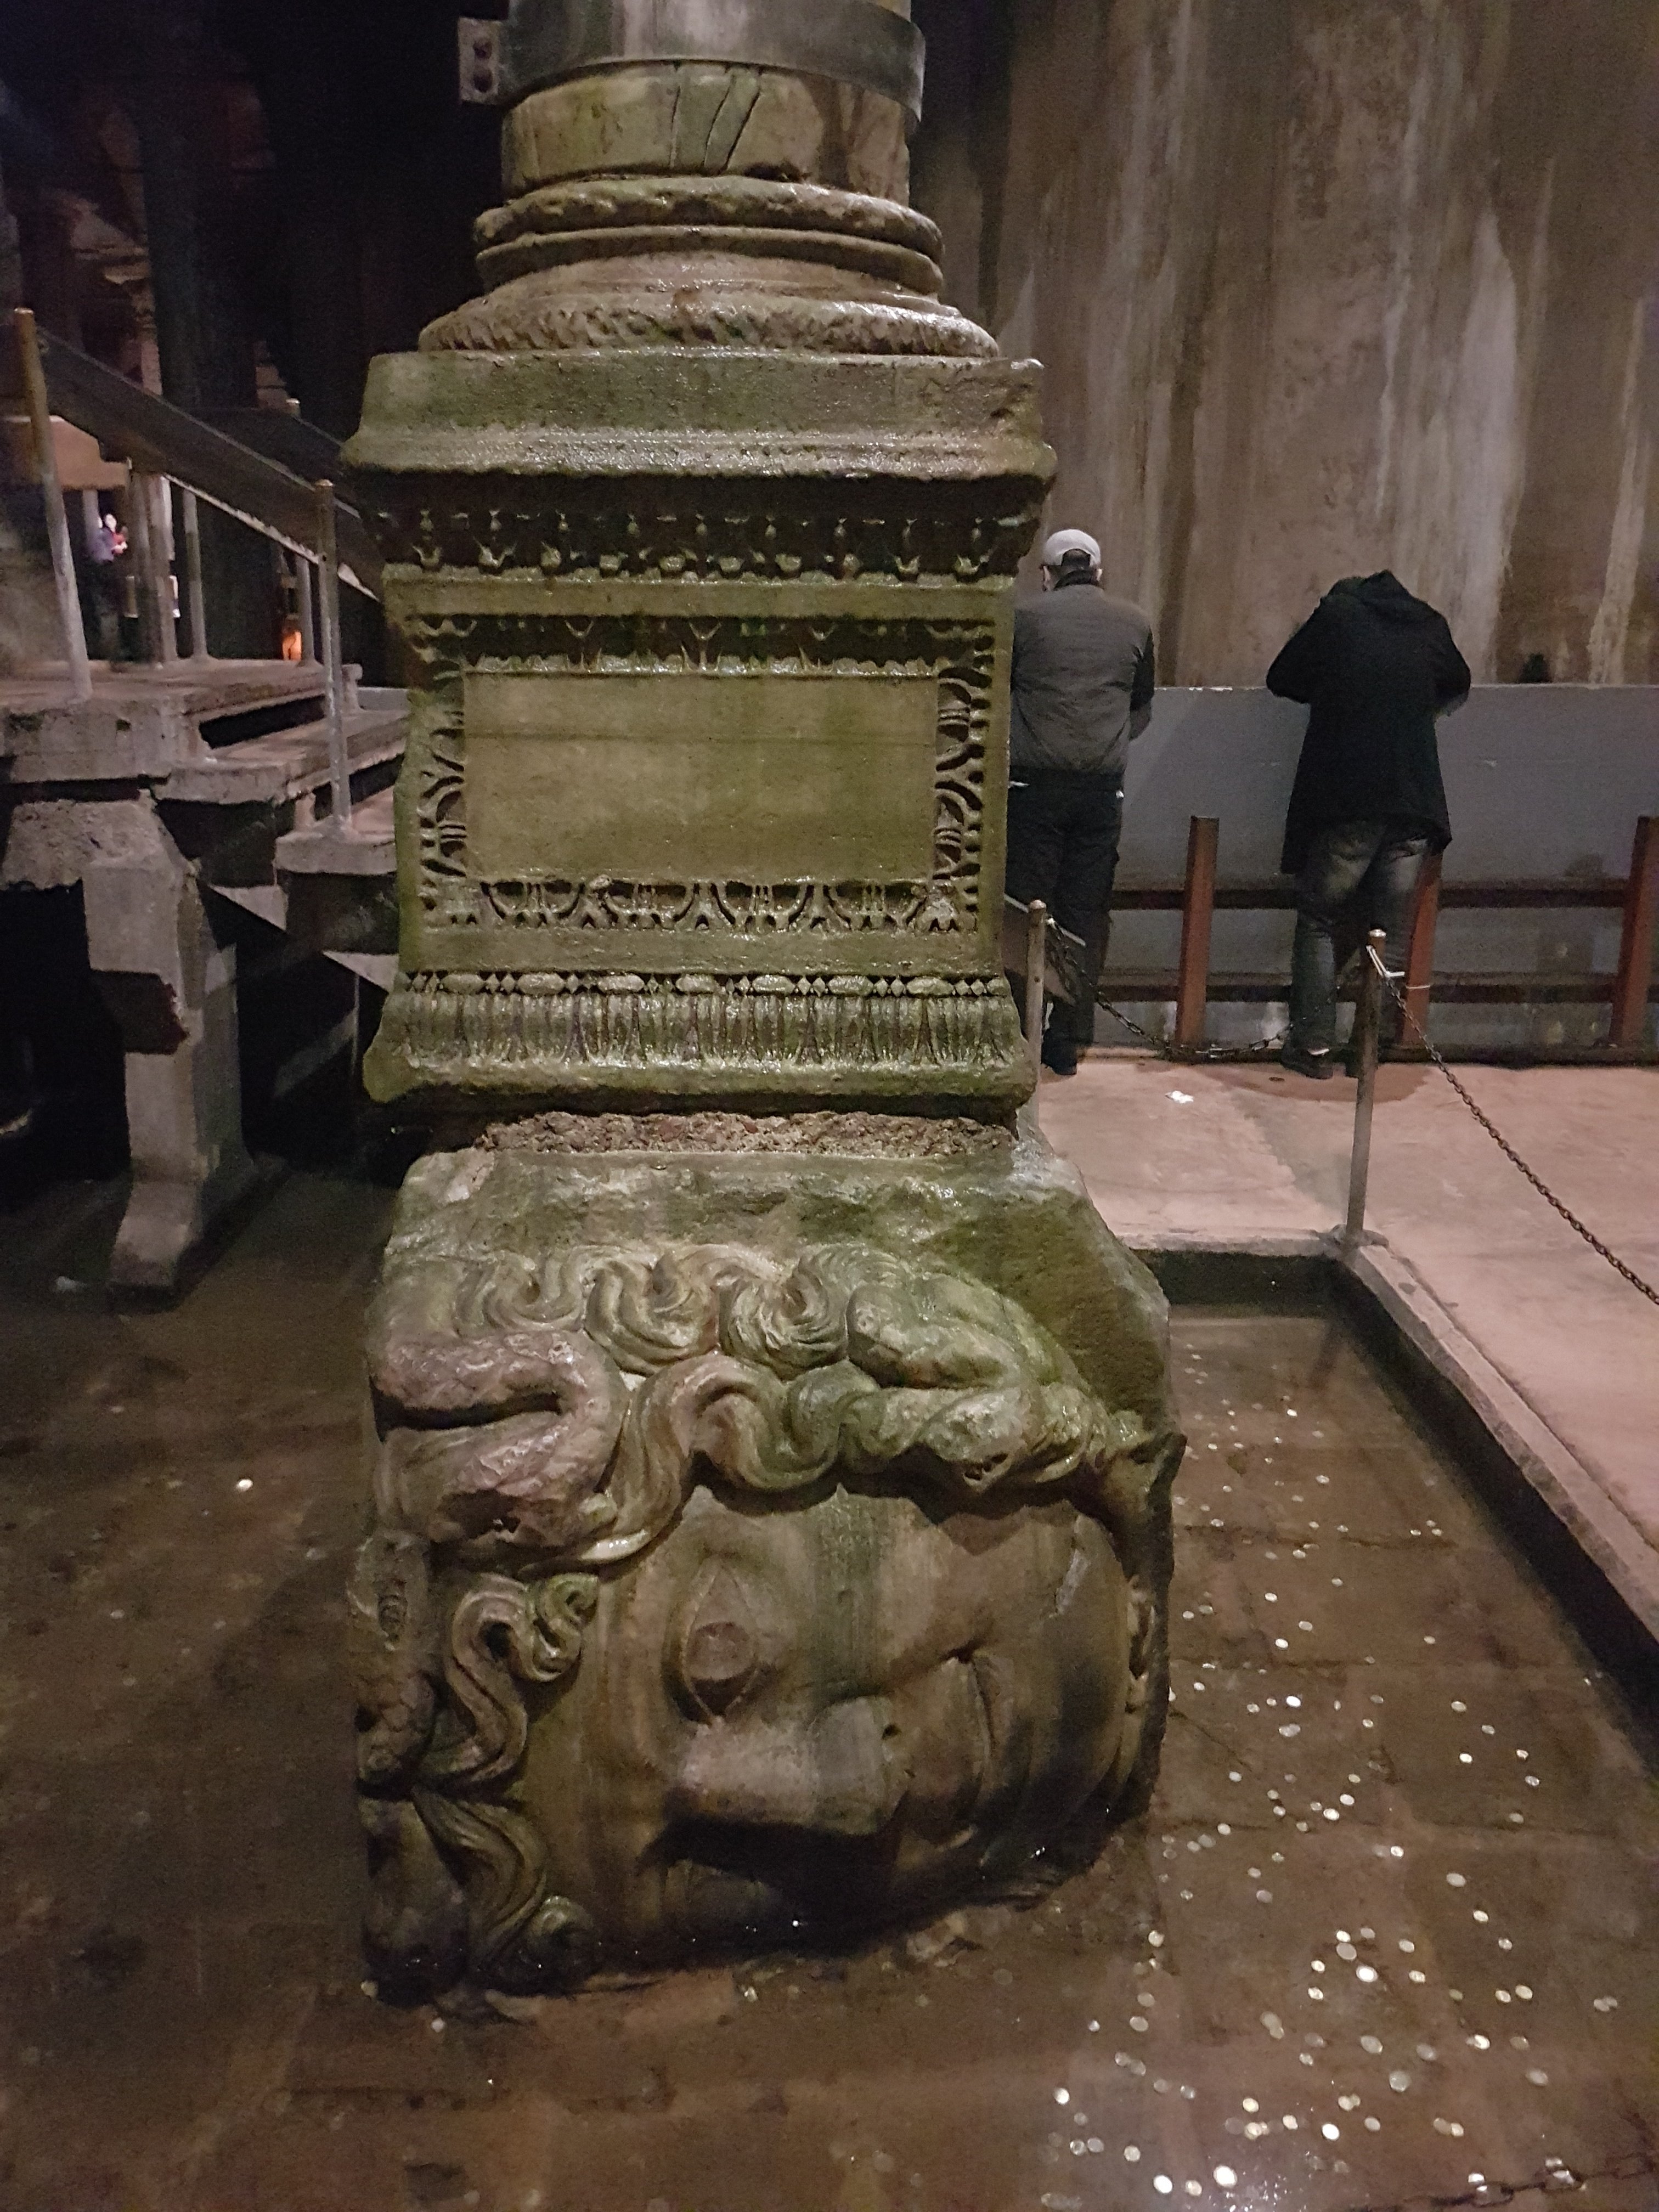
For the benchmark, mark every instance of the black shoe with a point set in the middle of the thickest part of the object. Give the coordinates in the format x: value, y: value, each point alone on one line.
x: 1059, y: 1055
x: 1320, y: 1065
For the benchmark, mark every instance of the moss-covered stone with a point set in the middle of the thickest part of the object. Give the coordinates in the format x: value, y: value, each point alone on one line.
x: 768, y: 1539
x: 832, y: 1493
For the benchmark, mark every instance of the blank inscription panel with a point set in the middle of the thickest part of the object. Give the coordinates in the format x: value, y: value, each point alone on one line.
x: 762, y: 777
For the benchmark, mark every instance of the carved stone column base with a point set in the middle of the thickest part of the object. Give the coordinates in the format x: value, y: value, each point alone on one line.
x: 769, y: 1544
x: 709, y: 656
x: 784, y: 1039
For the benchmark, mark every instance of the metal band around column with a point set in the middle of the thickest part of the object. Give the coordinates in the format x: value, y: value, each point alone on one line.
x: 853, y: 41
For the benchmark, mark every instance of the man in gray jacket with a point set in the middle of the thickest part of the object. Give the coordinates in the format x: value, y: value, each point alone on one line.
x: 1083, y: 678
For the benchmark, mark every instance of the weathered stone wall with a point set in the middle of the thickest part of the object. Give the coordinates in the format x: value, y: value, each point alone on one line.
x: 1321, y: 287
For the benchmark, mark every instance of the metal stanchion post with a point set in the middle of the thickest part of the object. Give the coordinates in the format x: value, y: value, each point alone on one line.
x: 1368, y: 1024
x: 1036, y: 953
x: 328, y: 579
x: 307, y: 608
x: 1630, y: 989
x: 140, y: 515
x: 160, y: 544
x: 154, y: 576
x: 45, y: 462
x: 194, y: 603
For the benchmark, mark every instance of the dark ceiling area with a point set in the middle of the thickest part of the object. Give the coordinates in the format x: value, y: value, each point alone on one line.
x: 267, y: 196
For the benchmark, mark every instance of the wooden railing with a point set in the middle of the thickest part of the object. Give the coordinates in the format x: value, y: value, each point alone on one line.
x: 1626, y: 991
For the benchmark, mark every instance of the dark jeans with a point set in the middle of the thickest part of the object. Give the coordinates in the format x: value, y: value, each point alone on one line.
x: 1358, y: 876
x: 1062, y: 848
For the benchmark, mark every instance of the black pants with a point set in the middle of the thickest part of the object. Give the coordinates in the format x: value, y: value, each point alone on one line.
x: 1063, y: 830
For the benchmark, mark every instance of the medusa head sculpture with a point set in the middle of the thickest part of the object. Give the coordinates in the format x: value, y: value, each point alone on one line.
x: 714, y: 1599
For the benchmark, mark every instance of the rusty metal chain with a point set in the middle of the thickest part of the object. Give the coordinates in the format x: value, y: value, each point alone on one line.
x: 1502, y: 1143
x: 1554, y: 2182
x: 1188, y: 1053
x: 1234, y: 1052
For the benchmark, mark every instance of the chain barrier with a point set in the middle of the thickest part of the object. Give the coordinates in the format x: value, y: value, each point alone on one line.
x: 1061, y: 948
x: 1390, y: 984
x: 1554, y: 2180
x: 1409, y: 1017
x: 1189, y: 1053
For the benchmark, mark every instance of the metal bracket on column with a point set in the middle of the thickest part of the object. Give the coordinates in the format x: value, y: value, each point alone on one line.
x: 328, y: 593
x: 856, y: 42
x: 480, y: 60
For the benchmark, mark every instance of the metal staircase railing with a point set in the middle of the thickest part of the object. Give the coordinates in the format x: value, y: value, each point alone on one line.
x: 162, y: 444
x: 160, y: 440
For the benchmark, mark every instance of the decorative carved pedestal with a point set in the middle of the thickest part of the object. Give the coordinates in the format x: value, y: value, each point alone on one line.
x: 771, y: 1521
x: 712, y: 689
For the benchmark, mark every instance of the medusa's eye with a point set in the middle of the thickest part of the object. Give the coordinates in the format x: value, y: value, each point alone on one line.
x: 719, y: 1653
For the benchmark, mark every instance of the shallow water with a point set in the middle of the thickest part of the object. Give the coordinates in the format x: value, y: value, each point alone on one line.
x: 1389, y: 1931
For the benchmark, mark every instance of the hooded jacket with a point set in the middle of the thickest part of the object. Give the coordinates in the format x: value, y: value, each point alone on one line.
x: 1082, y: 667
x: 1375, y: 666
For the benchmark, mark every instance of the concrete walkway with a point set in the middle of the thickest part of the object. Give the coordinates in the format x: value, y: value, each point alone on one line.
x: 1556, y: 1352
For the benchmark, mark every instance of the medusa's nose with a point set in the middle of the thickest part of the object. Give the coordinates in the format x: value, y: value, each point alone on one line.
x: 841, y: 1774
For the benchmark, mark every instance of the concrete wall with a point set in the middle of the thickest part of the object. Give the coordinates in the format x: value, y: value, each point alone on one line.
x: 1524, y: 807
x: 1321, y: 287
x: 1515, y: 759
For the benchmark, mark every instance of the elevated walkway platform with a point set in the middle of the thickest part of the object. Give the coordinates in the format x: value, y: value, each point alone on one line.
x: 1557, y: 1356
x: 177, y: 791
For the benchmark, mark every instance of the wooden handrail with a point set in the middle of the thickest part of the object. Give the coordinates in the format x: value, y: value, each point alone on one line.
x: 1198, y: 905
x: 1471, y: 988
x: 1419, y: 948
x: 1517, y: 893
x: 1628, y: 994
x: 1634, y: 979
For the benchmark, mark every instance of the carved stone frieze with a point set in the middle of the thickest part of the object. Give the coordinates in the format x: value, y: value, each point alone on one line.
x: 784, y: 1038
x: 543, y: 313
x: 701, y: 531
x: 712, y: 203
x: 698, y: 942
x: 815, y: 1135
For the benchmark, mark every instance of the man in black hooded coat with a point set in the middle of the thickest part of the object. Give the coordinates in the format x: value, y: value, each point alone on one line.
x: 1377, y: 667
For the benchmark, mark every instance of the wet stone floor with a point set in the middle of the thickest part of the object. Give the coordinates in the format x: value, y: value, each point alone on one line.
x: 1389, y: 1935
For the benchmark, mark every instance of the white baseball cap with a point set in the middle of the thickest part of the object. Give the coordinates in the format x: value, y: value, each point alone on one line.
x: 1063, y: 542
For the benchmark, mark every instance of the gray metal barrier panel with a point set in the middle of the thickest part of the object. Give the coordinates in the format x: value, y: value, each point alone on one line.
x: 1545, y: 783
